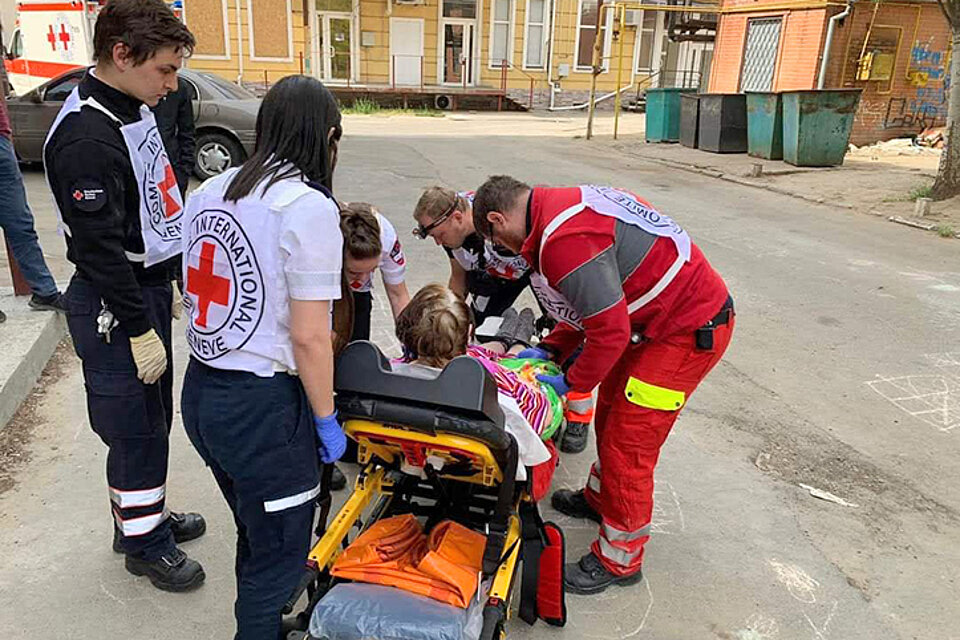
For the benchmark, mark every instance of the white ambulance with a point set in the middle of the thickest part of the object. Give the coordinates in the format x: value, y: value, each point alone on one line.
x: 52, y: 37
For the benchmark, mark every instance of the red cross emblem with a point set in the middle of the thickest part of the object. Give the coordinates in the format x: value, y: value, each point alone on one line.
x: 52, y: 37
x: 170, y: 205
x: 78, y: 195
x: 206, y: 285
x: 64, y: 36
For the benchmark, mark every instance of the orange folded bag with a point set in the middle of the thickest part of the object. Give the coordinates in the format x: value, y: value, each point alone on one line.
x: 395, y: 551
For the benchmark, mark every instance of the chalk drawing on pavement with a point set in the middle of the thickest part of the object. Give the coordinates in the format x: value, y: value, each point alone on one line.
x: 933, y: 398
x: 821, y: 632
x: 758, y: 627
x: 796, y: 581
x: 625, y: 615
x: 667, y: 514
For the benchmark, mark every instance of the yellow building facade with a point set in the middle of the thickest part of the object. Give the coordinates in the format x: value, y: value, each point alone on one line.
x: 466, y: 44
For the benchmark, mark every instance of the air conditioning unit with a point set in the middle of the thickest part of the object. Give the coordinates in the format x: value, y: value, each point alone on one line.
x: 633, y: 17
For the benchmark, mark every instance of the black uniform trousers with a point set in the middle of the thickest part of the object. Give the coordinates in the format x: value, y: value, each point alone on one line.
x: 133, y: 419
x: 490, y: 296
x: 256, y: 435
x: 362, y: 310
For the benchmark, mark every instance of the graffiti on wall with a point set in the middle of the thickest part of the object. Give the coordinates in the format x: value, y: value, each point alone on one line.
x: 930, y: 82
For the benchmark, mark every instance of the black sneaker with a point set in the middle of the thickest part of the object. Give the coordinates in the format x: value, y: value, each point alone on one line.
x: 173, y: 571
x: 187, y: 526
x: 574, y: 439
x: 589, y: 576
x: 574, y: 504
x: 46, y: 303
x: 337, y: 481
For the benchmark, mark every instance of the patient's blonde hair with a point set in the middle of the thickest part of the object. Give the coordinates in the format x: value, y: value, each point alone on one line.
x: 435, y: 326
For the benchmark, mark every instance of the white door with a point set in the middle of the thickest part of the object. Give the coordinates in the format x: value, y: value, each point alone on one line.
x: 406, y: 51
x: 457, y: 51
x: 333, y: 46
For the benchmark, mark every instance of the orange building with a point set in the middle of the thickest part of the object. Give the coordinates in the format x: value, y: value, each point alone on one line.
x: 897, y: 52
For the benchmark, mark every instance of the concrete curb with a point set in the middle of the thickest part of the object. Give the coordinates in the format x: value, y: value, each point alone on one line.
x: 27, y: 343
x: 742, y: 181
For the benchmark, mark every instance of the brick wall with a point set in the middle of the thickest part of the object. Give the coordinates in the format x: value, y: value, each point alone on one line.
x: 915, y: 97
x: 917, y: 34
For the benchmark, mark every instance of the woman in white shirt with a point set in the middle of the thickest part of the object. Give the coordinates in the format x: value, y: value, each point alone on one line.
x: 262, y: 255
x: 370, y: 242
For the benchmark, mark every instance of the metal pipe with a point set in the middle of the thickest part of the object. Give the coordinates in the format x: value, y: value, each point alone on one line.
x: 621, y: 36
x: 553, y: 23
x: 575, y: 107
x: 828, y: 41
x: 240, y: 46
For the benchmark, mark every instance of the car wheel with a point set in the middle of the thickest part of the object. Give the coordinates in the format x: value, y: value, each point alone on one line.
x: 215, y: 154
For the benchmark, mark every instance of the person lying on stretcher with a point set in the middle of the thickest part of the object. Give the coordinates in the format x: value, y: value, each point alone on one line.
x: 435, y: 328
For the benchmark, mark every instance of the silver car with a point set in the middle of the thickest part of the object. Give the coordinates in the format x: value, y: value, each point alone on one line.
x: 225, y: 116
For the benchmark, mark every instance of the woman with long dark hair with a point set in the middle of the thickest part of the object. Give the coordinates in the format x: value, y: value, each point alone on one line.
x: 262, y: 265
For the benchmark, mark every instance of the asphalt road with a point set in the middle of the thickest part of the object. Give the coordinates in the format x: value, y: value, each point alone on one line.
x: 844, y: 376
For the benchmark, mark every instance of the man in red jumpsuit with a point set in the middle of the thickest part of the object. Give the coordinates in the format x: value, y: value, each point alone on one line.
x: 653, y: 317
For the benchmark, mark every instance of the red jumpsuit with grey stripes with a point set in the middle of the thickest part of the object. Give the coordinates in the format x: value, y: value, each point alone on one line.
x: 599, y: 265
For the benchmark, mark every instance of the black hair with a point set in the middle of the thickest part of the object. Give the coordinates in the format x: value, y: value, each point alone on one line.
x: 293, y: 128
x: 498, y: 193
x: 144, y: 26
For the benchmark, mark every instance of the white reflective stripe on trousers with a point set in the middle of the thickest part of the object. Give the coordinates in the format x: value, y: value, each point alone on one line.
x: 617, y: 555
x: 618, y: 535
x: 137, y: 498
x: 593, y: 480
x: 272, y: 506
x: 142, y: 525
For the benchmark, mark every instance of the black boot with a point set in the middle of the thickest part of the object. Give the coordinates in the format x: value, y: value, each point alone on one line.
x: 574, y: 439
x: 173, y: 571
x: 187, y: 526
x: 574, y: 504
x: 589, y: 576
x: 337, y: 480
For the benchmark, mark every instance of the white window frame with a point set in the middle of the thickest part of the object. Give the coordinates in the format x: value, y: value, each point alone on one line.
x: 226, y: 36
x: 511, y: 28
x: 607, y: 41
x: 253, y: 48
x: 545, y: 25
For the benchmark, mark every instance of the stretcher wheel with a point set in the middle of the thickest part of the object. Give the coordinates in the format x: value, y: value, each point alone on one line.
x: 494, y: 615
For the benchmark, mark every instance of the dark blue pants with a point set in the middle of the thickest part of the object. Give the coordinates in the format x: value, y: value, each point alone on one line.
x: 256, y: 435
x: 133, y: 419
x: 16, y: 220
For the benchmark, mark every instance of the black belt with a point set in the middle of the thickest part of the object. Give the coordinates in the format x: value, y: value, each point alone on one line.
x: 705, y: 333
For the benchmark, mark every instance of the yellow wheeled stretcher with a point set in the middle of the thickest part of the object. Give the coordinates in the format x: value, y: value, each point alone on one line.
x: 436, y: 448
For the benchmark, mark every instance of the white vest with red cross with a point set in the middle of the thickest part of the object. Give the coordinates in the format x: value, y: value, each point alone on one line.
x: 625, y: 207
x: 235, y: 290
x: 161, y: 207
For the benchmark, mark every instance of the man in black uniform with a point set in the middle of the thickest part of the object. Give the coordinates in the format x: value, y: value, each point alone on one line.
x: 174, y: 115
x: 120, y: 210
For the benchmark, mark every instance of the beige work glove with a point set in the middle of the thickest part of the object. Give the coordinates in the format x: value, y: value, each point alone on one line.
x: 177, y: 307
x: 149, y: 356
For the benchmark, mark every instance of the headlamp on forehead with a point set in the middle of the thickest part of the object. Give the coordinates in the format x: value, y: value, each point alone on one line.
x: 423, y: 232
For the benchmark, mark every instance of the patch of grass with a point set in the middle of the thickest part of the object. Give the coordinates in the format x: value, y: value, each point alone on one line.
x: 363, y: 106
x: 944, y: 231
x: 367, y: 107
x: 921, y: 191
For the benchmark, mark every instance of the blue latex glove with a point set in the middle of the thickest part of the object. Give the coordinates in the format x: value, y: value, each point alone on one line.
x: 559, y: 383
x: 534, y: 352
x: 333, y: 442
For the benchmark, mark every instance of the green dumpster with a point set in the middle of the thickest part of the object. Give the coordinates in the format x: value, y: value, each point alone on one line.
x: 765, y: 125
x: 816, y: 126
x: 663, y: 114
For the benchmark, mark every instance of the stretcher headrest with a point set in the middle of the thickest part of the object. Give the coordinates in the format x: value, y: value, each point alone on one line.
x: 461, y: 399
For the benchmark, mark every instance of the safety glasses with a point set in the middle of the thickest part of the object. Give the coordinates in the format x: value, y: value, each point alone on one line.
x: 423, y: 232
